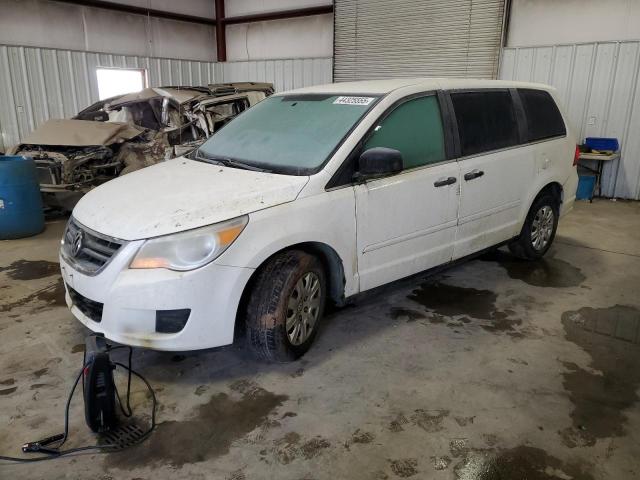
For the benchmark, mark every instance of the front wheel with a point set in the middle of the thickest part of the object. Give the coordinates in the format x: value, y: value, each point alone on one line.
x: 285, y: 306
x: 539, y: 229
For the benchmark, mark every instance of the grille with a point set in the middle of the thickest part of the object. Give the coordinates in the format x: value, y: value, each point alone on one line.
x: 90, y: 308
x: 124, y: 436
x: 86, y: 250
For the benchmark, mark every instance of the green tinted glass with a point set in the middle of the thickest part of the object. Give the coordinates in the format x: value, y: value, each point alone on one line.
x: 415, y: 129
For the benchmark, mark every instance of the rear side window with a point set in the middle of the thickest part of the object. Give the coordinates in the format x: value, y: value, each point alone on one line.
x: 543, y: 117
x: 486, y: 121
x: 415, y: 129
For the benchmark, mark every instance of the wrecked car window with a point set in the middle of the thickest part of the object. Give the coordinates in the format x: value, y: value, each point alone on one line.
x: 289, y: 134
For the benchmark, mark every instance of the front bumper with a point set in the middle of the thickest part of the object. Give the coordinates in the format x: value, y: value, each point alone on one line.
x: 131, y: 298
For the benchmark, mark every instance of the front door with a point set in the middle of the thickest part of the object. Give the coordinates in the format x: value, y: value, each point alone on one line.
x: 407, y: 222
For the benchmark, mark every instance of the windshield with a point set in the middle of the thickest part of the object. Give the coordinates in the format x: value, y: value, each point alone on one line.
x: 289, y: 134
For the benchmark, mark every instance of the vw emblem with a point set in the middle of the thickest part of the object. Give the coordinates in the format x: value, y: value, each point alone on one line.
x: 76, y: 246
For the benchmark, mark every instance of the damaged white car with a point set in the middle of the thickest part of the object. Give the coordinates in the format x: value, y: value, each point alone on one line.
x: 129, y: 132
x: 315, y: 196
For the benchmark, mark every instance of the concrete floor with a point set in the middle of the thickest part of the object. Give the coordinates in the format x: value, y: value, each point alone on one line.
x: 494, y: 369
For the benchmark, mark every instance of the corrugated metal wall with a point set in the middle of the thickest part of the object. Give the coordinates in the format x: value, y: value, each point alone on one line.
x: 600, y: 88
x: 284, y: 74
x: 37, y: 84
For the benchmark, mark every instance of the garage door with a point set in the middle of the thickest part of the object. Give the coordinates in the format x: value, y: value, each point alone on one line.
x: 401, y: 38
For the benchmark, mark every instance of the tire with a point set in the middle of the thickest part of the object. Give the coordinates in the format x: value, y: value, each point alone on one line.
x: 282, y: 296
x: 539, y: 229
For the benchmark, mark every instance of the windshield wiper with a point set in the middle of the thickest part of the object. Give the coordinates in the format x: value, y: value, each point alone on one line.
x: 228, y: 162
x: 208, y: 158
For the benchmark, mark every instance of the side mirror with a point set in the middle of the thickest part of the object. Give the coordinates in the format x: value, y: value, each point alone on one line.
x: 379, y: 162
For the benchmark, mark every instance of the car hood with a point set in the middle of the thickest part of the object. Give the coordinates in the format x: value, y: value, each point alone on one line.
x: 81, y: 133
x: 179, y: 195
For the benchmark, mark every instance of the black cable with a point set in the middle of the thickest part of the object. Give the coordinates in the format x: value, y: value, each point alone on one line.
x: 153, y: 405
x: 107, y: 447
x: 68, y: 406
x: 50, y: 456
x: 128, y: 412
x: 65, y: 435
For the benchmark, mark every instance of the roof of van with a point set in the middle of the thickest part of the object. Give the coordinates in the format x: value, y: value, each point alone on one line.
x: 378, y: 87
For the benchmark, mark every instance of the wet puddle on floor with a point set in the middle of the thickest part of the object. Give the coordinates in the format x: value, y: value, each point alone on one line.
x: 518, y: 463
x: 411, y: 314
x: 47, y: 297
x: 611, y: 337
x: 28, y: 270
x: 214, y: 426
x: 546, y: 272
x: 444, y: 300
x: 31, y: 269
x: 450, y: 300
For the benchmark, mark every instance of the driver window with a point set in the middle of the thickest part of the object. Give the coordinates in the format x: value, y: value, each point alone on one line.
x: 415, y: 129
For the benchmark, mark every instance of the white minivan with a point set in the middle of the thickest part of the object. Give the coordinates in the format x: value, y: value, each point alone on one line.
x: 312, y: 196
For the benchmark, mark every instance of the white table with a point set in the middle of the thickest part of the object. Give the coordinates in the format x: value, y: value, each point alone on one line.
x: 601, y: 159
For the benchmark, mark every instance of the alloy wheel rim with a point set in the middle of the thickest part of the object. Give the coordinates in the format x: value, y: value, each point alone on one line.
x: 542, y: 228
x: 303, y: 308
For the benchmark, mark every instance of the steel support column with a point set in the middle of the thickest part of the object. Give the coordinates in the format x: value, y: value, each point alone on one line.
x: 221, y: 32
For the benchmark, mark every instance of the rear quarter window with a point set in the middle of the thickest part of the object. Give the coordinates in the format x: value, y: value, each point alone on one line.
x: 543, y: 116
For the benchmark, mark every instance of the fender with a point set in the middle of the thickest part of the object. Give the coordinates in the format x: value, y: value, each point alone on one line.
x: 325, y: 221
x: 558, y: 174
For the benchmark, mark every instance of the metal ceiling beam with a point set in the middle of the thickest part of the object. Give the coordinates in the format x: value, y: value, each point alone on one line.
x: 283, y: 14
x: 119, y: 7
x: 257, y: 17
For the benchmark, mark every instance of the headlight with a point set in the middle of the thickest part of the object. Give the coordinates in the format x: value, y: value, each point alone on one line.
x: 191, y: 249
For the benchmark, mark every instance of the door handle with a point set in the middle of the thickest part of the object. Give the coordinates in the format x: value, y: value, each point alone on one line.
x: 473, y: 174
x: 445, y: 181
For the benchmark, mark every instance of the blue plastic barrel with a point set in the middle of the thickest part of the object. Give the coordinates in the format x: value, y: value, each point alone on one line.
x: 21, y: 212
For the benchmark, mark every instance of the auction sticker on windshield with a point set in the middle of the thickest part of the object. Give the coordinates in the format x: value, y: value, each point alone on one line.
x: 353, y: 100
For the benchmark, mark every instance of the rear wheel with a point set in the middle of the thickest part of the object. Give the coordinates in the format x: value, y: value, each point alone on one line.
x: 285, y: 306
x: 539, y: 229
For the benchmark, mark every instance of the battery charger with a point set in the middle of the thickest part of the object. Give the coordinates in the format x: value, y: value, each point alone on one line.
x: 98, y: 386
x: 100, y: 396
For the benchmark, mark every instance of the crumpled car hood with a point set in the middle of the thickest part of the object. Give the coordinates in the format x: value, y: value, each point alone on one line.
x: 179, y: 95
x: 81, y: 133
x: 179, y: 195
